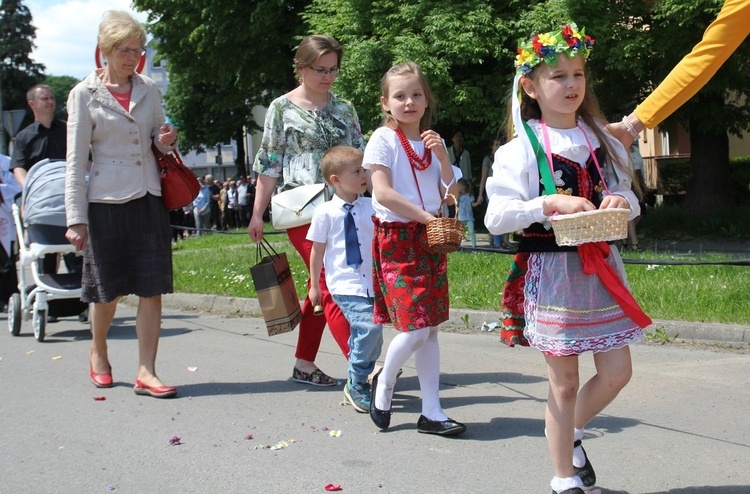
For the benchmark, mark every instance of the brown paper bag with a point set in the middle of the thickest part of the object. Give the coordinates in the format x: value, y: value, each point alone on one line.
x: 276, y: 292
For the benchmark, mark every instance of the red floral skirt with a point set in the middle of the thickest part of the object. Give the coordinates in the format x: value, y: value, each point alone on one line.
x: 410, y: 283
x: 511, y: 308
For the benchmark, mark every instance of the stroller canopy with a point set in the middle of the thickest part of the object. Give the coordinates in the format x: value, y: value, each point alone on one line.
x: 43, y: 197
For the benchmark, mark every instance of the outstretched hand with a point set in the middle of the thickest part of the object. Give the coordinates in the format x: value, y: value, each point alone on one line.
x: 620, y: 132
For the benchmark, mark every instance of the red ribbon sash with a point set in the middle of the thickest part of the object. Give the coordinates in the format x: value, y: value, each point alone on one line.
x: 593, y: 257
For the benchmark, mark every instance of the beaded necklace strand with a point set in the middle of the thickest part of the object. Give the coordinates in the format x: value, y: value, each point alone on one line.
x: 417, y: 162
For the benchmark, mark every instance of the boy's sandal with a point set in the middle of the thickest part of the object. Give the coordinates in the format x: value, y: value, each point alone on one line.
x: 314, y: 378
x: 586, y: 472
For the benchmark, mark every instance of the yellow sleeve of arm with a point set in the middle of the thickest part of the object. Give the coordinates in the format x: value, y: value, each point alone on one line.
x: 719, y: 41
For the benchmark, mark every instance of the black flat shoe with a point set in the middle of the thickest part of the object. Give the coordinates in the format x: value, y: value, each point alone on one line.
x: 447, y: 427
x: 586, y: 472
x: 381, y: 418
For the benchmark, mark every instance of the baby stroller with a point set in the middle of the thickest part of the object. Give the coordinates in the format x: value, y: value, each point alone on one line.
x: 40, y: 225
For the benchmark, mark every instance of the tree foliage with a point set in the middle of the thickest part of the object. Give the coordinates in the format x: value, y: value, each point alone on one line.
x: 719, y: 109
x: 649, y: 40
x: 224, y: 57
x: 17, y: 72
x: 465, y: 49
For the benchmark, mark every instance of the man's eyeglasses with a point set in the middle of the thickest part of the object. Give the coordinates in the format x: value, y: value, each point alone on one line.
x: 130, y: 52
x: 321, y: 72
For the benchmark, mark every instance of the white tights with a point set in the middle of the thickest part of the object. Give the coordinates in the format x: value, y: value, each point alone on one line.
x: 423, y: 344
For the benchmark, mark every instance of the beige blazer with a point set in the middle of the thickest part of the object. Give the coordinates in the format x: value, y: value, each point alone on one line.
x: 123, y: 167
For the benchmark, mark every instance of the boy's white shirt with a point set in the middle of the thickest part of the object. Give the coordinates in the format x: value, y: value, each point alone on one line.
x: 327, y: 227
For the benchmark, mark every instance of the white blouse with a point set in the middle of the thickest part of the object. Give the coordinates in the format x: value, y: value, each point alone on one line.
x: 513, y: 189
x: 384, y: 148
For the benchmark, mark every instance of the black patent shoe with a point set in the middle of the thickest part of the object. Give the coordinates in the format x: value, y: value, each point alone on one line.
x: 448, y: 427
x: 586, y: 472
x: 574, y: 490
x: 381, y: 418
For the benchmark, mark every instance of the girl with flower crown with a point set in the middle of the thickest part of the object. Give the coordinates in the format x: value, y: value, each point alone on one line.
x: 411, y: 173
x: 564, y: 300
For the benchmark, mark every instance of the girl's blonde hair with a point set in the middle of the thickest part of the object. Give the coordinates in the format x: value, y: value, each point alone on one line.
x: 589, y: 112
x: 117, y: 28
x: 313, y: 47
x: 337, y: 158
x: 403, y: 70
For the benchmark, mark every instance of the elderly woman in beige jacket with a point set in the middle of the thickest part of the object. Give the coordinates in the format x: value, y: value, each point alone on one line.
x: 117, y: 219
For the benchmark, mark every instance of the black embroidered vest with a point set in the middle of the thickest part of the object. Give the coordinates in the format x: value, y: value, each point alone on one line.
x: 570, y: 179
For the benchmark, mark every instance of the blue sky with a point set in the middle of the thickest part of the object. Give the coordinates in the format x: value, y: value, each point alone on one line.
x: 66, y: 32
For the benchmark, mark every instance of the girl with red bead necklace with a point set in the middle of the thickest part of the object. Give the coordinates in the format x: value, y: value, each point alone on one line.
x: 411, y: 173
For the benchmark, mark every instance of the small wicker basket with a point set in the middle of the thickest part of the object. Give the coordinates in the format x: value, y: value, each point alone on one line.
x: 601, y: 225
x: 445, y: 234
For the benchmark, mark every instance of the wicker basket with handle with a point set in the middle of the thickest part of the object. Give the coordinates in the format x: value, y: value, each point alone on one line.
x: 445, y: 234
x: 601, y: 225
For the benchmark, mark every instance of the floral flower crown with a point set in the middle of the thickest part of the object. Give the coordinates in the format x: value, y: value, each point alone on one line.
x: 546, y: 47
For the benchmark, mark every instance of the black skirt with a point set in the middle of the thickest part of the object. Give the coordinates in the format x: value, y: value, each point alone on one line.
x: 129, y: 250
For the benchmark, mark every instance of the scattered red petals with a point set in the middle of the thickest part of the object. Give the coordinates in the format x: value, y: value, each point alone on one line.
x: 331, y: 487
x: 249, y: 437
x: 100, y: 398
x: 176, y: 440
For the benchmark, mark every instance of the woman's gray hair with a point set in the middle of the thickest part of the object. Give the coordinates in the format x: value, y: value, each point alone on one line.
x: 117, y: 28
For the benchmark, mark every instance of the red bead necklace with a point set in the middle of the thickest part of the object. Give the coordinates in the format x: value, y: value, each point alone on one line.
x: 416, y: 162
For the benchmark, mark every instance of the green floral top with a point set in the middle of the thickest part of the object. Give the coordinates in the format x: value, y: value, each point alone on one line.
x: 294, y: 139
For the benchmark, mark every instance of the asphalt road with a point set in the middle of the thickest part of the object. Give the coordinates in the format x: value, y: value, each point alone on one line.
x: 680, y: 426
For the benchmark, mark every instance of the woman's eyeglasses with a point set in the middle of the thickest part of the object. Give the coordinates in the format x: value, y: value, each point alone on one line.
x: 130, y: 51
x: 321, y: 72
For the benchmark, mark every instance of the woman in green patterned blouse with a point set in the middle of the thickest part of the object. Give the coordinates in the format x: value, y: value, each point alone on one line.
x: 300, y: 127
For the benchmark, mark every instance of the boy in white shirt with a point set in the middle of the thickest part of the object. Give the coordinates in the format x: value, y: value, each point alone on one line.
x: 341, y: 232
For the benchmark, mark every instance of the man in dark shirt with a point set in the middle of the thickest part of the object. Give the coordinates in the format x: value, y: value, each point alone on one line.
x: 45, y: 138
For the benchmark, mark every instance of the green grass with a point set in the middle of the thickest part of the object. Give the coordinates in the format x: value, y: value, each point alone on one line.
x: 220, y: 264
x: 704, y: 293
